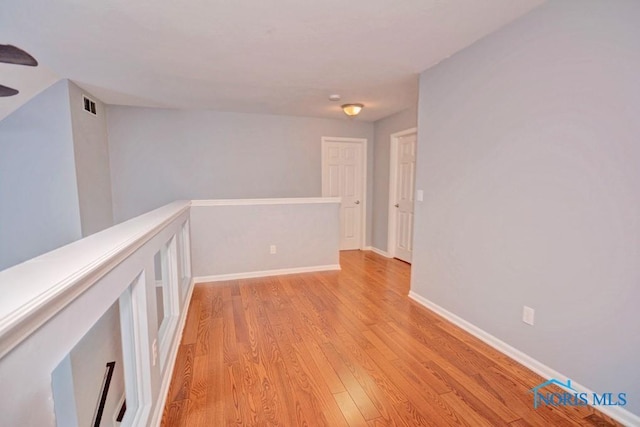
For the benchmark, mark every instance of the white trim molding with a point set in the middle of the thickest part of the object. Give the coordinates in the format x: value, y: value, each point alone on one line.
x: 248, y: 202
x: 616, y: 412
x: 266, y: 273
x: 378, y: 251
x: 171, y: 360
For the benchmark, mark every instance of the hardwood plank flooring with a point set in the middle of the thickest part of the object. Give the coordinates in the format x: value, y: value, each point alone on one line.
x: 344, y: 348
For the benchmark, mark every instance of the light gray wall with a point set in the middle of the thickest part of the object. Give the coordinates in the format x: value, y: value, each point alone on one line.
x: 92, y: 162
x: 529, y: 159
x: 64, y: 400
x: 236, y: 239
x: 383, y: 129
x: 38, y: 192
x: 159, y: 155
x: 101, y: 345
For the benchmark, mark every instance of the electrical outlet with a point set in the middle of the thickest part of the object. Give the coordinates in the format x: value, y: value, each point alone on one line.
x: 272, y: 249
x: 154, y: 348
x: 528, y: 315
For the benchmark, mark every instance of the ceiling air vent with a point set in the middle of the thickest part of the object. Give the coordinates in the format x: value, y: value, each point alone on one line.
x: 89, y: 105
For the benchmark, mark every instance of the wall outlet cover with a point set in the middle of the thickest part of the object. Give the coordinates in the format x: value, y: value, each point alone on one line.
x: 528, y: 315
x: 155, y: 352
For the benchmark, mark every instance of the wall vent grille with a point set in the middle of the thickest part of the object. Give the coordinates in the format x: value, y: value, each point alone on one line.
x: 89, y: 105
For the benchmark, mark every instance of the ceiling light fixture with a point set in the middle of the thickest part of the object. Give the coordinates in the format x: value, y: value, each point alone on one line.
x: 352, y: 110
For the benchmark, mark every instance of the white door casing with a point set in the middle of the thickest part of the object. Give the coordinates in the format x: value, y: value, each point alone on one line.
x: 344, y: 176
x: 401, y: 194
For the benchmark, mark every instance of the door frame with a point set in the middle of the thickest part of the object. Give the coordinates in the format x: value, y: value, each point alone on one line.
x: 393, y: 187
x: 363, y: 141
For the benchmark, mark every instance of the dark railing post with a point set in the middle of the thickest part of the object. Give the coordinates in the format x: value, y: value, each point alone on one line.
x: 106, y: 382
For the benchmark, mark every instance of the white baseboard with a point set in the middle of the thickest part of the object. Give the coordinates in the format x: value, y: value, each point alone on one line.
x: 378, y: 251
x: 266, y: 273
x: 156, y: 419
x: 616, y: 412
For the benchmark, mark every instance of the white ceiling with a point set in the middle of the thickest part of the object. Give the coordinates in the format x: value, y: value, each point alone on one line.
x: 260, y: 56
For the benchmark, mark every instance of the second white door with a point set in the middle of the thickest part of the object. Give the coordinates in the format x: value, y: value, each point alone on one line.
x: 342, y: 176
x: 405, y: 168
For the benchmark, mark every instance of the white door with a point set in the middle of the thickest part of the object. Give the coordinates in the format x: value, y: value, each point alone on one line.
x: 404, y: 191
x: 342, y: 176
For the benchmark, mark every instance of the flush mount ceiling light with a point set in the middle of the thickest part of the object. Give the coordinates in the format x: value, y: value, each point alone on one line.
x: 352, y: 110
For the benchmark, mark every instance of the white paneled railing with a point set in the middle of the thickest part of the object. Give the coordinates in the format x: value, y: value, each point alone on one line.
x: 119, y: 298
x: 62, y: 312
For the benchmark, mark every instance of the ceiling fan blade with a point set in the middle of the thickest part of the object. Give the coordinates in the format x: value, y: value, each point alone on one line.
x: 7, y: 91
x: 14, y: 55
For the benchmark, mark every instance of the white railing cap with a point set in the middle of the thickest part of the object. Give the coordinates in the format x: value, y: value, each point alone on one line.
x: 33, y: 291
x: 281, y: 201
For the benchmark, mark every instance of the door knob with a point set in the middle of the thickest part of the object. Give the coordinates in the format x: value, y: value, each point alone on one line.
x: 397, y: 205
x: 357, y: 202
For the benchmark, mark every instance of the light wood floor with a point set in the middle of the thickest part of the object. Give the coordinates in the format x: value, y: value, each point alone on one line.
x: 343, y: 348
